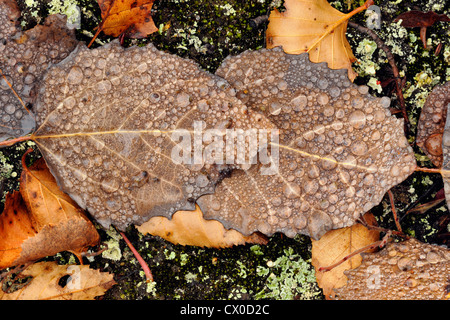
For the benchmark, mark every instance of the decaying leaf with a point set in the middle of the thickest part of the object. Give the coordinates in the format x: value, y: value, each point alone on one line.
x: 415, y: 18
x: 132, y: 18
x: 314, y: 27
x: 45, y: 222
x: 16, y: 225
x: 408, y: 270
x: 23, y: 59
x: 61, y: 282
x: 432, y: 122
x: 333, y: 247
x: 340, y: 150
x: 445, y: 170
x: 120, y: 131
x: 189, y: 228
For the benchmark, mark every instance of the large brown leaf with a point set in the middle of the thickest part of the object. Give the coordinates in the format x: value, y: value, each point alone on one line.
x: 106, y: 122
x: 23, y: 59
x: 340, y: 150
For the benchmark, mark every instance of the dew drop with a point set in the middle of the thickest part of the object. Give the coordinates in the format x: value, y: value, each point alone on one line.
x: 75, y: 75
x: 359, y: 148
x: 357, y: 119
x: 109, y: 185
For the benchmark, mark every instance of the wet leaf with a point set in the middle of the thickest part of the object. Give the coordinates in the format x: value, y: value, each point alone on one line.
x: 190, y: 228
x: 51, y: 281
x: 314, y: 27
x: 132, y: 18
x: 339, y: 149
x: 333, y: 247
x: 133, y: 114
x: 432, y: 122
x: 409, y: 270
x: 23, y: 59
x: 42, y: 221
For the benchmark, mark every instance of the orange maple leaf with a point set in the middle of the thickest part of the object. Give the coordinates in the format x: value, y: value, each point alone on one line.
x: 126, y: 18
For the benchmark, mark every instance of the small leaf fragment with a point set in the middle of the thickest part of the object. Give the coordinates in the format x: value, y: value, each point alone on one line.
x: 190, y: 228
x: 334, y: 246
x: 61, y: 282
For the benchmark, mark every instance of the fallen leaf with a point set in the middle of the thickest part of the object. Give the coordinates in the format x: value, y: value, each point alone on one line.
x: 45, y: 222
x: 314, y: 27
x: 132, y: 18
x: 16, y: 225
x: 334, y: 246
x: 415, y: 18
x: 51, y: 281
x: 333, y: 163
x: 431, y: 123
x: 408, y: 270
x: 120, y: 156
x: 190, y: 228
x: 24, y: 58
x: 445, y: 170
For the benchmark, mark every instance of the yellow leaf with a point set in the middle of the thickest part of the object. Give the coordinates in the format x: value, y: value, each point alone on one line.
x: 51, y: 281
x: 314, y: 27
x: 189, y: 228
x: 335, y: 245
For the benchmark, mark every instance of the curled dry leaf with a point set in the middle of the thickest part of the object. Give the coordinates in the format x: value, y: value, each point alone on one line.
x: 23, y: 59
x: 190, y: 228
x: 432, y: 122
x: 314, y: 27
x: 42, y: 221
x: 415, y: 18
x: 333, y: 247
x: 51, y: 281
x: 408, y: 270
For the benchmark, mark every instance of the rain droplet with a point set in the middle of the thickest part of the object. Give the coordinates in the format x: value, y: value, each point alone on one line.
x: 359, y: 148
x: 291, y: 190
x: 109, y: 185
x: 75, y: 75
x: 357, y: 119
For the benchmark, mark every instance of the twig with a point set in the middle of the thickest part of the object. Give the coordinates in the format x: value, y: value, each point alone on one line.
x: 429, y: 170
x: 8, y: 143
x: 380, y: 243
x: 390, y: 56
x: 141, y: 261
x: 394, y: 211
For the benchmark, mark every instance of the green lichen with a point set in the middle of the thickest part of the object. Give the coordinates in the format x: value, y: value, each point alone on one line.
x: 69, y: 8
x: 288, y: 277
x: 113, y: 252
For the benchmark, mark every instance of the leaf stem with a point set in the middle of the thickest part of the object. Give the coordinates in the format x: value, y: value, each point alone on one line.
x: 380, y: 243
x: 394, y: 211
x: 8, y: 143
x: 429, y: 170
x: 139, y: 258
